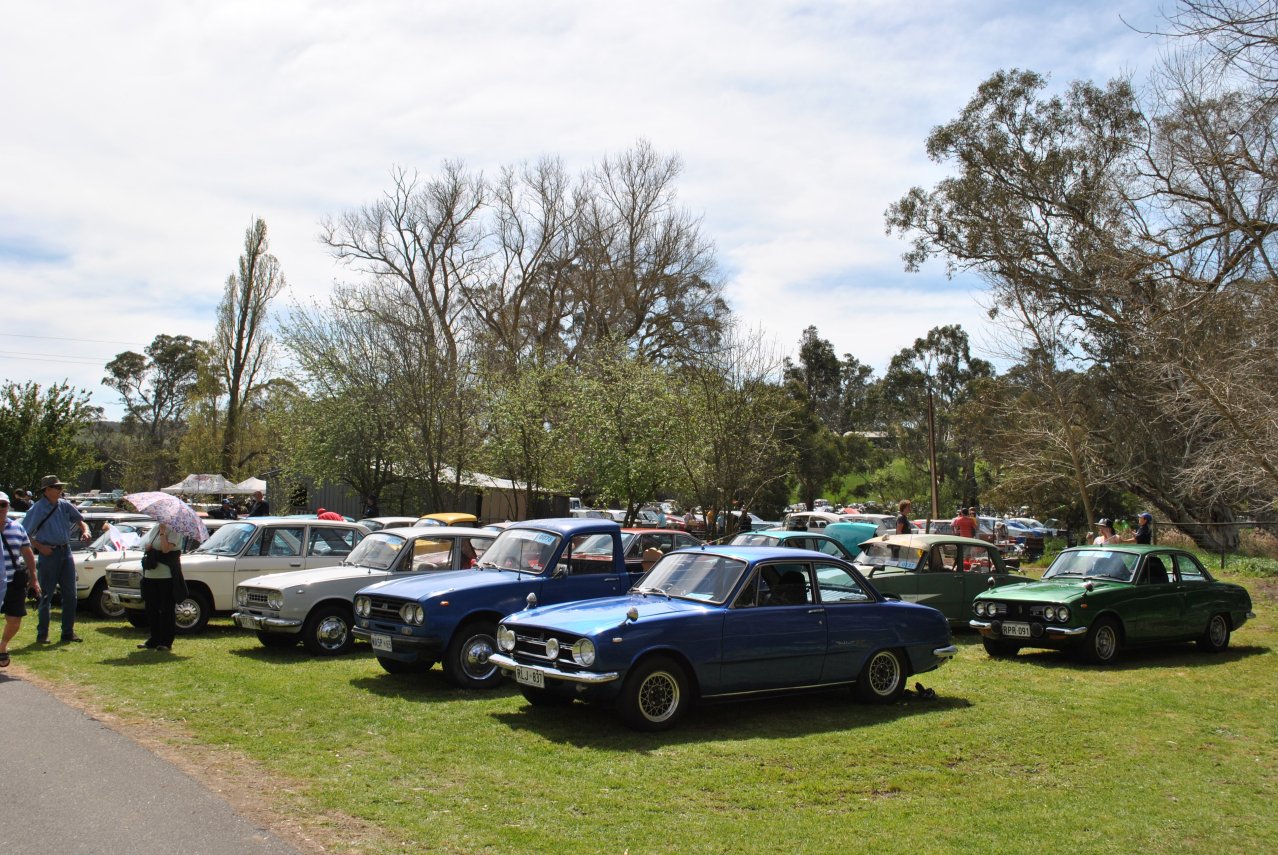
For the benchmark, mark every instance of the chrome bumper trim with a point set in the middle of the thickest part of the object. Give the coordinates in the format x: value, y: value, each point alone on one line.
x: 590, y: 678
x: 244, y: 620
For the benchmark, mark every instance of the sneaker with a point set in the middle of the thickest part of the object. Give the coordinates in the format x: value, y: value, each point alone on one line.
x: 69, y: 638
x: 145, y: 646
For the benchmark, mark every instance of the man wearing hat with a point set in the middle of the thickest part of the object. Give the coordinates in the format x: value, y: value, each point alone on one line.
x: 1144, y: 534
x: 48, y: 525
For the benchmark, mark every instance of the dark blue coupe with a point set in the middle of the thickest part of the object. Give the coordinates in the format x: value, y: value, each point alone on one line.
x: 723, y: 622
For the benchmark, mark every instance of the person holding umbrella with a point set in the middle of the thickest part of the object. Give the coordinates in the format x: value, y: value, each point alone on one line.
x: 162, y: 584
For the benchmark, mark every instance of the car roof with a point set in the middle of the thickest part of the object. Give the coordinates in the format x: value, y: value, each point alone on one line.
x: 925, y: 541
x: 754, y: 554
x: 302, y: 520
x: 436, y: 531
x: 565, y: 525
x: 1134, y: 548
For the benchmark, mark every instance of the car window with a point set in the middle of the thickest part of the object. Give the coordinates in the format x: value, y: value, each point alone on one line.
x: 694, y: 576
x: 829, y: 547
x: 281, y: 541
x: 229, y: 539
x: 331, y: 541
x: 783, y: 584
x: 944, y: 558
x: 837, y: 585
x: 1189, y: 569
x: 1154, y: 571
x: 596, y: 563
x: 892, y: 555
x: 979, y: 559
x: 378, y: 551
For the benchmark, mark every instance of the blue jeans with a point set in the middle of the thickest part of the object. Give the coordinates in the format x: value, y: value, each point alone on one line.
x: 56, y: 570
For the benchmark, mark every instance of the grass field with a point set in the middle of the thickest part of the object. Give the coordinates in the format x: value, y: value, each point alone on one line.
x: 1171, y: 751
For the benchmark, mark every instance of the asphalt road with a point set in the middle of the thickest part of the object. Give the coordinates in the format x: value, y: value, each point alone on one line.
x: 69, y: 784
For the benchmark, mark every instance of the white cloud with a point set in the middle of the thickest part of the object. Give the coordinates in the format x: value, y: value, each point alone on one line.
x: 144, y: 138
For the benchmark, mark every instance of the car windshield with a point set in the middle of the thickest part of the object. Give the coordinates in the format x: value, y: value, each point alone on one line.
x: 693, y: 576
x: 891, y: 555
x: 1093, y: 564
x: 601, y: 544
x: 751, y: 539
x: 227, y: 540
x: 377, y: 551
x: 526, y: 550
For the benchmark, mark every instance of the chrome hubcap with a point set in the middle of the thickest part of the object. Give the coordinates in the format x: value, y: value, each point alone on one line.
x: 331, y: 632
x: 187, y: 613
x: 658, y: 696
x: 475, y: 657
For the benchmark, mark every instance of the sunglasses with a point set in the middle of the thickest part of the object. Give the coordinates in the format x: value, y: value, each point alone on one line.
x: 4, y: 504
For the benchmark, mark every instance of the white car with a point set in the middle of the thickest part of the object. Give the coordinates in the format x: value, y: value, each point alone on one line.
x: 239, y: 550
x: 315, y: 605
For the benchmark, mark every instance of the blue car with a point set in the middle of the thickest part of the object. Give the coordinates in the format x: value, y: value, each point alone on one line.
x: 722, y: 622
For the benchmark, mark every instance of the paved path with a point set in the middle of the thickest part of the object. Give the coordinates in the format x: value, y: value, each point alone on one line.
x: 69, y: 784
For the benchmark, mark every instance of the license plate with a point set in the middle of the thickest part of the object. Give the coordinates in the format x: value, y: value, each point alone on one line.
x: 1016, y: 630
x: 529, y: 677
x: 382, y: 643
x: 246, y: 621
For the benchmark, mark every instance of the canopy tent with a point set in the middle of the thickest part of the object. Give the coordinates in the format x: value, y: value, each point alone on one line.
x: 204, y: 485
x: 250, y: 485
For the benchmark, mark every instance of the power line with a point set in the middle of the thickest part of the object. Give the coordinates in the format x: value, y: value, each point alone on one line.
x: 64, y: 338
x: 53, y: 357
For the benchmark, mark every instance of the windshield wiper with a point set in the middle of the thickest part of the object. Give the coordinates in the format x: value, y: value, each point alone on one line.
x: 653, y: 590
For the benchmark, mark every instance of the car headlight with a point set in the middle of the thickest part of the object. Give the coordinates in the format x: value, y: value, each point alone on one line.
x: 419, y: 614
x: 552, y: 648
x: 1062, y: 614
x: 1049, y: 612
x: 275, y: 600
x: 362, y: 606
x: 583, y: 652
x: 506, y: 638
x: 979, y: 608
x: 241, y: 596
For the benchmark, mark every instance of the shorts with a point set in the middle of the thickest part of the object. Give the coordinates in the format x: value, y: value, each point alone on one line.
x: 15, y: 596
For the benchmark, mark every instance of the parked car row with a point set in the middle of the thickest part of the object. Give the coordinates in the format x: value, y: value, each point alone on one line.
x: 570, y: 611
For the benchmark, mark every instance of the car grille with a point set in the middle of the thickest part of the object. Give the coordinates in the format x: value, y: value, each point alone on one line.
x: 383, y: 609
x: 1018, y: 611
x: 530, y: 646
x: 256, y: 597
x: 124, y: 579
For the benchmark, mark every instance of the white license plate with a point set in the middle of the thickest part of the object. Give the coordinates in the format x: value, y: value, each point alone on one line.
x: 246, y: 621
x: 529, y: 677
x: 382, y: 643
x: 1016, y: 630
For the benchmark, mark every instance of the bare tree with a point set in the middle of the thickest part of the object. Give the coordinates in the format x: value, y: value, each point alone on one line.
x: 242, y: 338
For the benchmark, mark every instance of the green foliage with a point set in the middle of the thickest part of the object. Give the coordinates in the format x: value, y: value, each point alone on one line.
x: 41, y: 432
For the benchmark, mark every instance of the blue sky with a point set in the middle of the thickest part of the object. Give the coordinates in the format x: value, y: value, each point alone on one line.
x: 144, y: 138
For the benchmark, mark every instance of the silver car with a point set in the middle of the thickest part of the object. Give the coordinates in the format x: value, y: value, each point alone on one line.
x: 315, y: 605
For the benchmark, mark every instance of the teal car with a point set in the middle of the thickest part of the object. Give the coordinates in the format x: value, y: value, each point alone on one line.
x: 1098, y: 600
x: 943, y: 571
x: 842, y: 540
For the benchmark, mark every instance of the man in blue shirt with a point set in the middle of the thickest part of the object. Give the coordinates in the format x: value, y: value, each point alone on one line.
x: 48, y: 525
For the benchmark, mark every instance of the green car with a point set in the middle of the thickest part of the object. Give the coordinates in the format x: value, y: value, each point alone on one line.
x: 838, y: 539
x: 1100, y: 599
x: 943, y: 571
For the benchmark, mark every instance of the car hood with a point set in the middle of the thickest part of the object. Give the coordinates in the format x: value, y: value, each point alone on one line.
x: 194, y: 561
x: 438, y: 584
x: 1053, y: 589
x: 587, y: 617
x: 294, y: 578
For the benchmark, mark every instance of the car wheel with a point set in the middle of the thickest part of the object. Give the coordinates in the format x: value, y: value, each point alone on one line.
x: 466, y: 664
x: 882, y: 679
x: 328, y: 631
x: 193, y: 613
x: 102, y: 604
x: 1000, y: 649
x: 1103, y: 642
x: 395, y: 666
x: 655, y: 696
x: 1216, y: 637
x: 276, y: 639
x: 544, y: 697
x: 136, y: 618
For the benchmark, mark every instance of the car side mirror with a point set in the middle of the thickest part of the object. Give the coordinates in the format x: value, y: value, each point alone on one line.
x: 888, y: 595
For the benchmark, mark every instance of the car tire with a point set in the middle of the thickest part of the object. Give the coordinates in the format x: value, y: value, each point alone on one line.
x: 193, y: 613
x: 466, y: 663
x: 101, y: 604
x: 396, y: 666
x: 882, y: 678
x: 279, y: 640
x: 1000, y: 649
x: 655, y: 696
x: 1215, y: 637
x: 137, y: 618
x: 1103, y: 642
x: 544, y: 697
x: 329, y: 631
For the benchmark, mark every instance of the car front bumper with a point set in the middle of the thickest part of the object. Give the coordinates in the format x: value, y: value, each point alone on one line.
x: 589, y: 678
x: 263, y: 623
x: 994, y: 629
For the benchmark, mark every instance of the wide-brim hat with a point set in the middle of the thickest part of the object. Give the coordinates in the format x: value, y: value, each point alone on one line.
x: 51, y: 481
x: 1105, y: 522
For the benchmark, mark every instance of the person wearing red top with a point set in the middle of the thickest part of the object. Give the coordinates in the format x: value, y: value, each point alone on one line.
x: 327, y: 515
x: 964, y: 524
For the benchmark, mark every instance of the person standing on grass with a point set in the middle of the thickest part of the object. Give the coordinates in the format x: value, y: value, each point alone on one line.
x: 48, y: 525
x: 13, y: 581
x: 161, y: 566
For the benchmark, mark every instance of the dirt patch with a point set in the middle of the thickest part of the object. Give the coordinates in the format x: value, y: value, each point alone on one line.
x: 253, y: 791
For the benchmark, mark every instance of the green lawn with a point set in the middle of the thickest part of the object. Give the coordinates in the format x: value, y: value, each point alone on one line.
x: 1171, y: 751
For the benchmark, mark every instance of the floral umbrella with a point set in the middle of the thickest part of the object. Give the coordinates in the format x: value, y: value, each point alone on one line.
x: 171, y: 511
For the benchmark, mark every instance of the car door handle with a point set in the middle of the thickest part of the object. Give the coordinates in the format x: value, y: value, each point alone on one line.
x: 815, y: 611
x: 295, y: 564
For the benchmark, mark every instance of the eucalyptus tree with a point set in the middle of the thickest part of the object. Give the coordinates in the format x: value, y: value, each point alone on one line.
x: 41, y: 431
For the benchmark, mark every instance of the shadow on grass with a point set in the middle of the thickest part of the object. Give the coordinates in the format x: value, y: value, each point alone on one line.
x: 145, y: 657
x: 598, y: 725
x: 1171, y: 656
x: 427, y: 686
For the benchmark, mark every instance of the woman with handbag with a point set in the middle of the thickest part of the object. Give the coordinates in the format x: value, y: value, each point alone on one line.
x: 161, y: 576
